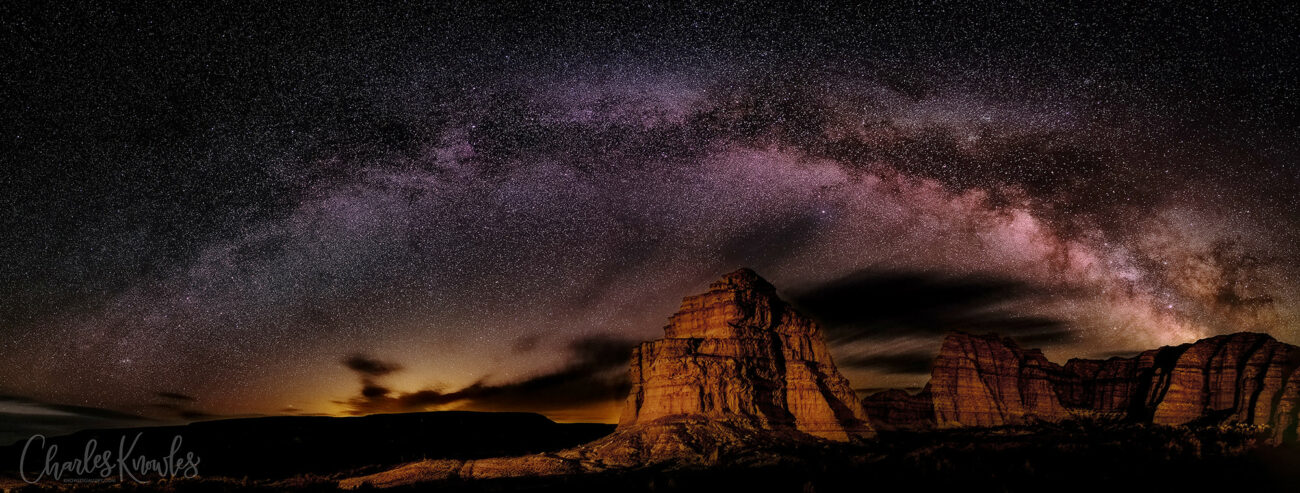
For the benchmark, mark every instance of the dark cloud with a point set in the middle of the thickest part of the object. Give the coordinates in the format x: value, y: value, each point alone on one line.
x: 595, y: 372
x: 175, y: 396
x: 372, y: 390
x: 22, y: 417
x: 366, y: 365
x: 87, y: 411
x: 873, y: 303
x: 182, y: 411
x: 909, y: 363
x: 180, y: 406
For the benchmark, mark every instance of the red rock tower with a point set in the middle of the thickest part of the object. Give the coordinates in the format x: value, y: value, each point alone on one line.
x: 738, y: 353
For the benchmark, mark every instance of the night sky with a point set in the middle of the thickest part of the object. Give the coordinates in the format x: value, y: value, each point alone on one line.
x: 250, y: 210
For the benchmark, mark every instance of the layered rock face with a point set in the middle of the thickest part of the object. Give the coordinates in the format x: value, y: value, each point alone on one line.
x: 1108, y: 386
x: 988, y: 381
x: 739, y: 354
x: 1239, y: 378
x: 1245, y: 378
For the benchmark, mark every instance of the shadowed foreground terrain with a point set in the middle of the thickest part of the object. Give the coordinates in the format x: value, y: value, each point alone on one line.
x: 280, y: 447
x: 1070, y: 456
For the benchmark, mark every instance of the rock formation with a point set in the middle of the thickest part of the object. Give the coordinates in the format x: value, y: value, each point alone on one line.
x: 987, y: 381
x: 1244, y: 378
x: 1108, y: 387
x: 740, y: 354
x: 738, y: 371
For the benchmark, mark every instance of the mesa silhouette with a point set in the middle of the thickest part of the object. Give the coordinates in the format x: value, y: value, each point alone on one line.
x: 282, y: 446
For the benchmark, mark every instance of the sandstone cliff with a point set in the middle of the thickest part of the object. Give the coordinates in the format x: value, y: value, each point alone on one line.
x: 738, y: 353
x: 1244, y: 378
x: 987, y: 381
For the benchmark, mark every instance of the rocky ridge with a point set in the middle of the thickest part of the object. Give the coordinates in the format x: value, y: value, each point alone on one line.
x: 1246, y: 378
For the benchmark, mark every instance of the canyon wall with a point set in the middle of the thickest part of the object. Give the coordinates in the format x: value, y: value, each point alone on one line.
x: 985, y: 380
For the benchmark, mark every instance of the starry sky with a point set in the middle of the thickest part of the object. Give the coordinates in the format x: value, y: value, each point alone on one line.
x: 258, y: 210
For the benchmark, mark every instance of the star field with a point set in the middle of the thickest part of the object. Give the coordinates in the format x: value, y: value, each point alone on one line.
x: 265, y: 210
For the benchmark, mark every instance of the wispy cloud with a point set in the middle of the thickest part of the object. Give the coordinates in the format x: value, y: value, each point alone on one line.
x: 594, y: 372
x: 22, y: 417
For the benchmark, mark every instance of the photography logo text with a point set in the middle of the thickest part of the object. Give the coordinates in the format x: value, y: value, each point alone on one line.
x: 104, y: 465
